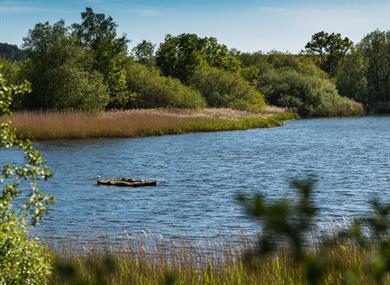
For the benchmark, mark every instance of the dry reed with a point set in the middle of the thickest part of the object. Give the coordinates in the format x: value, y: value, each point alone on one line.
x: 136, y: 123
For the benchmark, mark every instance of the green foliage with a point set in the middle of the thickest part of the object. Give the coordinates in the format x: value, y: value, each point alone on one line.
x: 288, y: 224
x: 74, y: 88
x: 226, y: 89
x: 296, y: 83
x: 144, y: 53
x: 351, y: 77
x: 148, y: 89
x: 10, y: 70
x: 10, y: 52
x: 22, y: 261
x: 60, y: 71
x: 364, y: 75
x: 97, y: 35
x: 330, y: 49
x: 180, y: 56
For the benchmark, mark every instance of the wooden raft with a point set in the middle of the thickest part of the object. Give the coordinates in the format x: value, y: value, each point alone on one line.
x: 126, y: 182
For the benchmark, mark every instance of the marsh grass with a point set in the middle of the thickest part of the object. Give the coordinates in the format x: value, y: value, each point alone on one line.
x: 222, y: 261
x: 139, y: 123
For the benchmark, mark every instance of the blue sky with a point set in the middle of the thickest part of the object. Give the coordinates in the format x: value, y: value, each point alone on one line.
x: 250, y: 25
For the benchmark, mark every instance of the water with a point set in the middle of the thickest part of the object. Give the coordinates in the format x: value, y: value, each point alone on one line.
x: 200, y: 174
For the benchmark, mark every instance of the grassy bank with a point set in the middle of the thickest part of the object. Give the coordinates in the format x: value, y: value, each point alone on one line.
x: 140, y: 123
x: 191, y: 264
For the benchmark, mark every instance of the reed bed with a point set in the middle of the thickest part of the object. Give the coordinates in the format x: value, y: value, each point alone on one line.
x: 188, y: 262
x: 139, y: 123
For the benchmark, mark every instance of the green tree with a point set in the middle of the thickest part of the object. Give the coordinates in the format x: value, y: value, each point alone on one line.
x: 376, y: 49
x: 61, y: 71
x: 180, y: 56
x: 10, y: 52
x: 364, y: 75
x: 76, y: 89
x: 144, y: 52
x: 22, y: 259
x: 352, y: 77
x: 329, y: 48
x: 97, y: 34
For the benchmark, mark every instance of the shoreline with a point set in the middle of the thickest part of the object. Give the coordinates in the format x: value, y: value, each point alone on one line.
x: 139, y: 123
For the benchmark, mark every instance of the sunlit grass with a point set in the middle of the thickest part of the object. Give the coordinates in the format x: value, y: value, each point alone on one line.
x: 222, y: 262
x: 138, y: 123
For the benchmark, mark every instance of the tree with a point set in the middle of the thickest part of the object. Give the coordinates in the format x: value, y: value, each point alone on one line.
x: 330, y: 49
x: 61, y: 71
x: 364, y: 75
x: 180, y: 56
x: 76, y: 89
x: 376, y: 49
x: 97, y: 34
x: 10, y: 52
x: 144, y: 52
x: 351, y: 77
x: 22, y: 259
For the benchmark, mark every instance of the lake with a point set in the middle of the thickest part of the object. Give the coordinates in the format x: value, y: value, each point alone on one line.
x: 200, y: 174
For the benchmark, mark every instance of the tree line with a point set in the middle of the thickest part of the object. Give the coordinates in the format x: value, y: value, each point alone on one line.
x: 87, y: 66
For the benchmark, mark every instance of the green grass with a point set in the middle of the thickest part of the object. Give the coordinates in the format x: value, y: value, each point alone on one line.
x: 215, y: 125
x: 190, y: 266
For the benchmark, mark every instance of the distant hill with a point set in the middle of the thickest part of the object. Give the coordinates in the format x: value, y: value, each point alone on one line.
x: 11, y: 52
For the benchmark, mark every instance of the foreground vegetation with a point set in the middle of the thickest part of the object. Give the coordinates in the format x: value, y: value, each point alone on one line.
x: 284, y: 253
x: 194, y: 265
x: 23, y: 260
x: 140, y: 123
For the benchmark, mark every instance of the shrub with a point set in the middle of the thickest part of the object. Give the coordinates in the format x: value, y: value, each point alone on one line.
x: 308, y: 95
x: 148, y: 89
x: 226, y: 89
x: 22, y: 260
x: 74, y: 88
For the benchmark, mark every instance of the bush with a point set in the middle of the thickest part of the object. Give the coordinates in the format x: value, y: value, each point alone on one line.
x: 310, y: 96
x: 287, y: 82
x: 22, y: 260
x: 73, y: 88
x: 226, y: 89
x: 148, y: 89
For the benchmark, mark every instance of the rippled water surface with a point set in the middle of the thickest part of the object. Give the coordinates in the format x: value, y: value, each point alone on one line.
x: 200, y: 174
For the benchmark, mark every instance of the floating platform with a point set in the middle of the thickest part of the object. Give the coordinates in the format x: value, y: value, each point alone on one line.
x: 126, y: 182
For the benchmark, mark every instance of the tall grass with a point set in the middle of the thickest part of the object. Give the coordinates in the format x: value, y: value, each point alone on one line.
x: 138, y: 123
x: 223, y: 262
